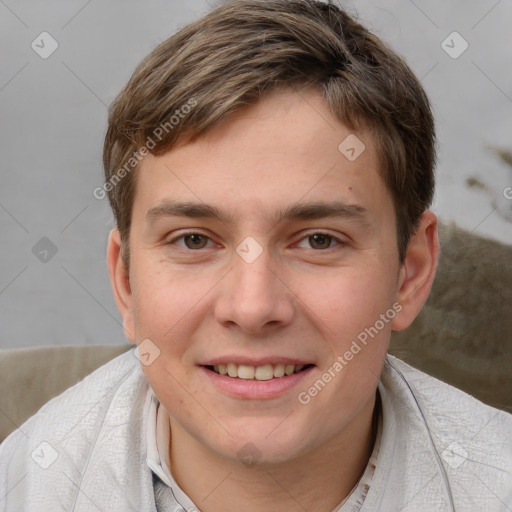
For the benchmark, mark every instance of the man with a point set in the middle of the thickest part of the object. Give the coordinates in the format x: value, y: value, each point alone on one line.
x: 270, y: 168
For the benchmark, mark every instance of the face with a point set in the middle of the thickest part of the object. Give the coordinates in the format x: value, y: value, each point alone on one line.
x: 262, y: 244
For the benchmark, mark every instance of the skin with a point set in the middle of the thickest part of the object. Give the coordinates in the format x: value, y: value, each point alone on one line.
x: 297, y: 299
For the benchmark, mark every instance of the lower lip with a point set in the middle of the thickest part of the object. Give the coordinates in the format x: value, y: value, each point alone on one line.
x: 256, y: 389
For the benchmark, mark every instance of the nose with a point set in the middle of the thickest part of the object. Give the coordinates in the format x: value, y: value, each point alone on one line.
x: 255, y: 296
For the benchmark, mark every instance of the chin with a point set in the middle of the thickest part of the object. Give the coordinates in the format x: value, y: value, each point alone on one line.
x: 269, y: 442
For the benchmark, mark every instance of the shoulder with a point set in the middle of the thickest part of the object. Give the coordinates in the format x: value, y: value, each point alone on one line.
x: 64, y: 434
x: 471, y: 440
x: 95, y: 389
x: 444, y: 405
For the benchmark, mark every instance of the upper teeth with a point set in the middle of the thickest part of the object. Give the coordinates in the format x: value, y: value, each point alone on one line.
x: 264, y: 372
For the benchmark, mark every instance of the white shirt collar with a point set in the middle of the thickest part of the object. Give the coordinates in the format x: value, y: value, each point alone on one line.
x: 158, y: 439
x: 159, y: 433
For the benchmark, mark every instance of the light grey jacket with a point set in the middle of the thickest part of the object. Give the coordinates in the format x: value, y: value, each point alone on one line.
x: 85, y: 451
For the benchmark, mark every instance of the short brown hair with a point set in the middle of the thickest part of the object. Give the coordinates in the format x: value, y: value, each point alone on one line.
x: 244, y: 49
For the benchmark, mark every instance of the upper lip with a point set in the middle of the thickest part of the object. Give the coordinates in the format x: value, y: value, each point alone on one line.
x: 255, y: 361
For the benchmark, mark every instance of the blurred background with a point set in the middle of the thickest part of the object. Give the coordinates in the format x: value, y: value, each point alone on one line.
x: 63, y: 62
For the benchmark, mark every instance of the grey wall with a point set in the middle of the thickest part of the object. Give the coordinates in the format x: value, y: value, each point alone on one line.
x: 54, y: 287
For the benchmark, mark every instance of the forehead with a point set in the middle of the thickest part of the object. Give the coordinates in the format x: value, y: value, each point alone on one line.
x: 284, y: 151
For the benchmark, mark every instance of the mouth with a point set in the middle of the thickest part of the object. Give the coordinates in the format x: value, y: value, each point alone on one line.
x: 263, y: 372
x: 257, y: 378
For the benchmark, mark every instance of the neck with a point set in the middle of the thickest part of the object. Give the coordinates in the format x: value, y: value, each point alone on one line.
x: 316, y: 481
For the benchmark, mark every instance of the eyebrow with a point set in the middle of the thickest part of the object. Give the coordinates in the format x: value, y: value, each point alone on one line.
x: 297, y: 211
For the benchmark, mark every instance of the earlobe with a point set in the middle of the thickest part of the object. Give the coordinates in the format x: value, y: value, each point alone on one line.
x: 120, y: 281
x: 418, y: 271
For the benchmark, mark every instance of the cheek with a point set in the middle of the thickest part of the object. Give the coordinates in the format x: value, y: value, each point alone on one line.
x: 163, y: 298
x: 347, y: 298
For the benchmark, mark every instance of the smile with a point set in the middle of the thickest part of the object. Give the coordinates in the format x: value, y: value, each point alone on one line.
x: 262, y: 372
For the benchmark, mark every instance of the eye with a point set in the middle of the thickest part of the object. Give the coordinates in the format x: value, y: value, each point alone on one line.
x: 191, y: 240
x: 321, y: 240
x: 194, y: 240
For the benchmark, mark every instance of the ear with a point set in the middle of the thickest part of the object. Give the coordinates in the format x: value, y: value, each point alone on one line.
x: 120, y: 281
x: 418, y: 271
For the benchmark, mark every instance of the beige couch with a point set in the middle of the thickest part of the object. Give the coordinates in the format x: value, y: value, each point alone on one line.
x: 462, y: 336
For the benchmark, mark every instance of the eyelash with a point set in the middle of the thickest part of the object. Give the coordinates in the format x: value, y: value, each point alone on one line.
x: 307, y: 235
